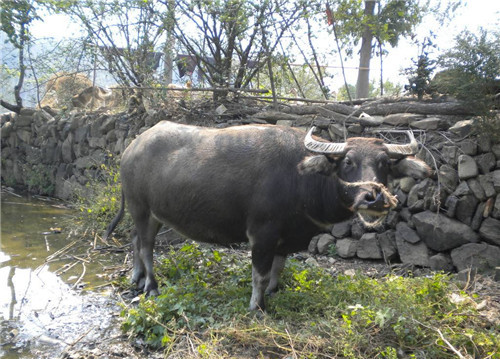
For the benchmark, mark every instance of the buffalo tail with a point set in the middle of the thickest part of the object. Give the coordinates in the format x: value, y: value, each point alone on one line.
x: 114, y: 222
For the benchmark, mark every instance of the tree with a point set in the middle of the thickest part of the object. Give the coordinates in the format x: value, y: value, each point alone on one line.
x: 15, y: 19
x: 386, y: 21
x: 472, y: 70
x: 125, y: 33
x: 232, y: 40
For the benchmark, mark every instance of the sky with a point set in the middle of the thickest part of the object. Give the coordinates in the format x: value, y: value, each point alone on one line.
x: 472, y: 16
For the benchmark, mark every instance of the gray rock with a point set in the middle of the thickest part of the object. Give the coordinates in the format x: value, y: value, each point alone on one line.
x: 356, y: 129
x: 67, y: 149
x: 324, y: 243
x: 496, y: 208
x: 496, y: 150
x: 448, y: 178
x: 6, y: 130
x: 336, y: 130
x: 107, y: 125
x: 477, y: 219
x: 467, y: 167
x: 406, y: 233
x: 430, y: 123
x: 441, y: 233
x: 486, y: 181
x: 462, y: 128
x: 347, y: 247
x: 357, y: 229
x: 478, y: 256
x: 287, y: 123
x: 387, y: 241
x: 450, y: 155
x: 462, y: 189
x: 313, y: 245
x: 490, y: 230
x: 476, y: 189
x: 402, y: 118
x: 469, y: 147
x: 407, y: 183
x: 416, y: 254
x: 466, y: 207
x: 441, y: 262
x: 342, y: 229
x: 486, y: 162
x: 368, y: 247
x: 495, y: 175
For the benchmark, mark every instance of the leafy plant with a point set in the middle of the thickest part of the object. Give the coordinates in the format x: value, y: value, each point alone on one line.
x: 40, y: 179
x: 101, y: 200
x: 204, y: 295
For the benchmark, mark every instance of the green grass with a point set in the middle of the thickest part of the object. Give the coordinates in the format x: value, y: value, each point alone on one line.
x: 202, y: 312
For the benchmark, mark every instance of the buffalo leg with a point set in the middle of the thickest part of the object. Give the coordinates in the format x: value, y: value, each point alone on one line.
x: 262, y: 262
x: 143, y: 244
x: 277, y: 268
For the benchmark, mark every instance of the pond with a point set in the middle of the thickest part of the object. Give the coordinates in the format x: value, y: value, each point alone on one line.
x: 52, y: 281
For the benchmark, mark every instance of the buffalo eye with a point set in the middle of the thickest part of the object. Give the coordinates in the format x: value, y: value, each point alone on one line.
x: 348, y: 162
x: 383, y: 162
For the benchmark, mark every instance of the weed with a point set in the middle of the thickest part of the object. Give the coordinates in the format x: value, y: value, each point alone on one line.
x: 205, y: 293
x: 40, y: 179
x: 101, y: 200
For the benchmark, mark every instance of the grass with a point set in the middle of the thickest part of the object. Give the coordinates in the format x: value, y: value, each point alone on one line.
x: 202, y: 312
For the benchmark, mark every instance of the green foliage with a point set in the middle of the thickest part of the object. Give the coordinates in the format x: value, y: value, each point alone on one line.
x: 15, y: 18
x: 472, y: 70
x: 40, y: 179
x: 313, y: 314
x: 419, y: 76
x: 101, y: 201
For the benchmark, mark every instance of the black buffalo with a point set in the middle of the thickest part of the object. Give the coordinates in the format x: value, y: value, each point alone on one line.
x: 275, y: 187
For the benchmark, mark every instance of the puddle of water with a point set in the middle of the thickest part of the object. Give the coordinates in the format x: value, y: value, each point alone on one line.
x: 40, y: 312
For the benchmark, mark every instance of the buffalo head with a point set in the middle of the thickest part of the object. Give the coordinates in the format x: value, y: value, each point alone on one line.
x: 362, y: 167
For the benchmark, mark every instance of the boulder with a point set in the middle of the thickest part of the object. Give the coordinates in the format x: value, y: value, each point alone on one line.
x: 469, y: 147
x: 416, y: 254
x: 342, y: 229
x: 495, y: 175
x: 346, y: 248
x: 324, y: 243
x: 486, y: 162
x: 466, y: 208
x: 406, y: 184
x: 467, y: 167
x: 496, y: 150
x: 462, y: 128
x: 476, y: 189
x: 496, y: 208
x: 430, y: 123
x: 441, y: 233
x: 450, y: 155
x: 387, y: 241
x: 402, y: 118
x: 406, y: 233
x: 368, y: 247
x: 441, y: 262
x: 448, y: 178
x: 490, y: 230
x: 478, y: 256
x: 313, y: 245
x: 486, y: 181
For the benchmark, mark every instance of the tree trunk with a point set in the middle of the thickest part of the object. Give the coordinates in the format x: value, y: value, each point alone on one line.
x: 365, y: 54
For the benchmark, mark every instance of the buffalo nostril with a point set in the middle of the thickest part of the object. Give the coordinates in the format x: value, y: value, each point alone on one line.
x: 369, y: 197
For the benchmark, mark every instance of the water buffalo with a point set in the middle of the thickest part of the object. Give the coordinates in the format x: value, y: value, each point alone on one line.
x: 275, y: 187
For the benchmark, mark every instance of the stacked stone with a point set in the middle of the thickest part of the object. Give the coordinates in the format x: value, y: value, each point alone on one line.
x: 446, y: 222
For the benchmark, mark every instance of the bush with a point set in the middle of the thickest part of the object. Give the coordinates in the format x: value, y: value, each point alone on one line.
x: 472, y: 76
x: 101, y: 201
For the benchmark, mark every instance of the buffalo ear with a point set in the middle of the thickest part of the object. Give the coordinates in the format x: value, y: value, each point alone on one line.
x: 412, y: 167
x: 317, y: 164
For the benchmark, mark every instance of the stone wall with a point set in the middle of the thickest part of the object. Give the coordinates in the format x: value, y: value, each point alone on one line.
x: 450, y: 221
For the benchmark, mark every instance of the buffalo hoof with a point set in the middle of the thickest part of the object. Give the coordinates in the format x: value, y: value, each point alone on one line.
x: 153, y: 293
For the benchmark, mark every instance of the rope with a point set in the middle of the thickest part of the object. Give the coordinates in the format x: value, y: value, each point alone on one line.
x: 389, y: 199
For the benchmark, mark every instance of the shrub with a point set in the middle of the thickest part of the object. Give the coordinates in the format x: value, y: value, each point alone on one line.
x: 101, y: 201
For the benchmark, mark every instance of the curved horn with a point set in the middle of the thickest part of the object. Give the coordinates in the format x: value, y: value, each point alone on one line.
x: 403, y: 150
x: 323, y: 147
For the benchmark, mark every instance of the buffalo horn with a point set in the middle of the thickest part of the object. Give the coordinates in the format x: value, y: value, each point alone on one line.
x: 323, y: 147
x: 403, y: 150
